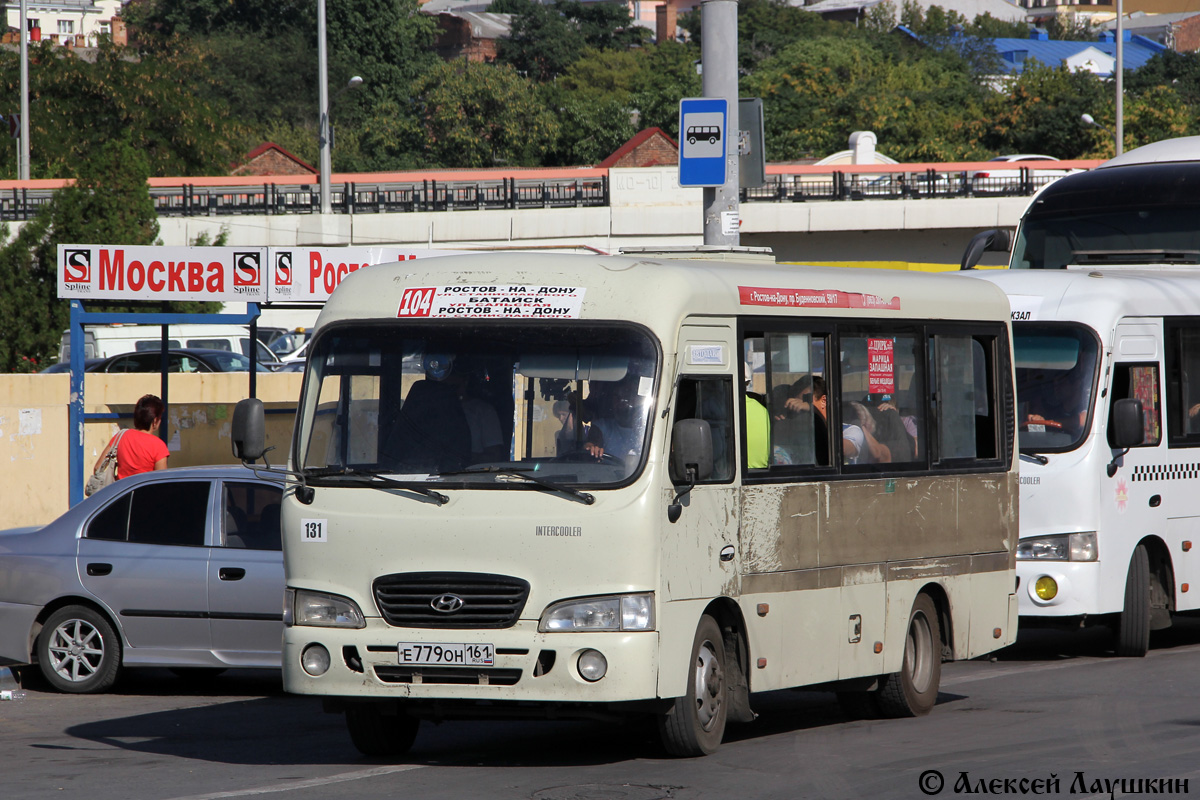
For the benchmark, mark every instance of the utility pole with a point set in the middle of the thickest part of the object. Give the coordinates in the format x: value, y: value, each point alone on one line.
x: 719, y: 79
x: 23, y: 166
x: 1120, y: 70
x: 323, y: 143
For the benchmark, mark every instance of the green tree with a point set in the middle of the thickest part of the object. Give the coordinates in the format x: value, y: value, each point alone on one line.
x: 77, y: 106
x: 1178, y: 71
x: 1040, y: 112
x: 109, y: 203
x: 546, y: 39
x: 482, y: 115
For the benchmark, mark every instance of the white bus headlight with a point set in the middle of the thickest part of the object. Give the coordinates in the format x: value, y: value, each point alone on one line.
x: 627, y: 612
x: 321, y: 610
x: 1063, y: 547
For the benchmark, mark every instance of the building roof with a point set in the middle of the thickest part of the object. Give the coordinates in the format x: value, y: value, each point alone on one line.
x: 970, y: 9
x: 1098, y: 57
x: 483, y: 25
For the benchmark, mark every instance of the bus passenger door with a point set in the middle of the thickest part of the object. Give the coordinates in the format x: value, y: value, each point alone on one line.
x: 699, y: 551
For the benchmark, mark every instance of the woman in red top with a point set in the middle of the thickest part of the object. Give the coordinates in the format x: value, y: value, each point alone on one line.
x: 140, y: 449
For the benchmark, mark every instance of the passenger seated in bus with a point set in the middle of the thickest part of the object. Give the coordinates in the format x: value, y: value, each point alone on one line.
x: 1064, y: 404
x: 487, y: 441
x: 792, y: 425
x: 614, y: 411
x: 852, y: 438
x: 872, y: 450
x: 889, y: 429
x: 431, y: 431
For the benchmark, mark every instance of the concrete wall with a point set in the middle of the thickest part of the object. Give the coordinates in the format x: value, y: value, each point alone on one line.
x: 34, y: 428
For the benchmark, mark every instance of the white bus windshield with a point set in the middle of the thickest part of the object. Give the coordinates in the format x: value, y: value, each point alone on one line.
x: 473, y: 403
x: 1056, y: 379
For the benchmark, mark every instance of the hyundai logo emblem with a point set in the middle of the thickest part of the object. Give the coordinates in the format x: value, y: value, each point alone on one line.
x: 446, y: 603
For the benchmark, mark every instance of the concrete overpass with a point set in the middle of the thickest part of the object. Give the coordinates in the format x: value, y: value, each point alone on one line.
x: 894, y: 214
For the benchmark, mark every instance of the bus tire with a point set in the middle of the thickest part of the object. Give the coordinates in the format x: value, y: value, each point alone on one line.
x: 78, y: 651
x: 375, y: 733
x: 694, y: 725
x: 912, y: 692
x: 1133, y: 625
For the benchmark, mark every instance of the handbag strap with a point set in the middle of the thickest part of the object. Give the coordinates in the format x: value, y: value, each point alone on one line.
x: 112, y: 448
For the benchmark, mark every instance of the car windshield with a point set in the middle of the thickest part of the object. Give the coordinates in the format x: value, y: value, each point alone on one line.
x: 1056, y: 379
x: 478, y: 403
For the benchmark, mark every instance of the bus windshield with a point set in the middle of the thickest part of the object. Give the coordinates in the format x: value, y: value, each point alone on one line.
x: 1056, y: 379
x: 478, y: 403
x: 1132, y: 214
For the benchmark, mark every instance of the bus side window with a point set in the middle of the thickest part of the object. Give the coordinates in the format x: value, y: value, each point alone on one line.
x: 1139, y: 381
x: 966, y: 398
x: 1183, y: 377
x: 711, y: 399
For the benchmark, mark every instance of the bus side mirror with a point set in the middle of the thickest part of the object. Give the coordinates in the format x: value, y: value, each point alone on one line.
x: 1128, y: 428
x: 1128, y: 425
x: 993, y: 241
x: 249, y: 430
x: 691, y: 451
x: 691, y: 459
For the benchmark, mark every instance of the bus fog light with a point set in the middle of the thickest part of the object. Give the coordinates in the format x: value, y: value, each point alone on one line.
x: 315, y: 660
x: 1046, y: 588
x: 592, y: 665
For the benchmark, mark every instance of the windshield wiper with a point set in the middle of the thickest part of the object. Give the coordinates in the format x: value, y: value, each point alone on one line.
x: 1036, y: 458
x: 523, y: 472
x: 377, y: 480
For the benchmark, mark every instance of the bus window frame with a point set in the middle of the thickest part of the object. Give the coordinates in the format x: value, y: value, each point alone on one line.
x: 1002, y: 397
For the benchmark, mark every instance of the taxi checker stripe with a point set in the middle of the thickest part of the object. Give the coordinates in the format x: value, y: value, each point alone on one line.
x: 1166, y: 472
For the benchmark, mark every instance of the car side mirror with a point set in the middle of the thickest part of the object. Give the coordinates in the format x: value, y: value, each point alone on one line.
x: 249, y: 430
x: 996, y: 240
x: 1128, y: 424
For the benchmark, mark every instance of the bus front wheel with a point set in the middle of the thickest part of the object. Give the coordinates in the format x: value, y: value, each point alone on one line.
x: 1133, y: 626
x: 377, y: 733
x: 694, y: 724
x: 912, y: 691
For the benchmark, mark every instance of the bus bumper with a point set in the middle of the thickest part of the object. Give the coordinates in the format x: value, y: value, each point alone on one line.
x: 1076, y: 589
x: 529, y: 666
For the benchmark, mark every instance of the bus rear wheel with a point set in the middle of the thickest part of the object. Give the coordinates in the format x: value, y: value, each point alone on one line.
x: 378, y: 733
x: 913, y: 690
x: 694, y: 725
x: 1133, y: 626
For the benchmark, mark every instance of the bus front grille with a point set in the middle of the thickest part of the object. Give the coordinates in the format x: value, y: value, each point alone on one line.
x: 452, y: 676
x: 450, y: 599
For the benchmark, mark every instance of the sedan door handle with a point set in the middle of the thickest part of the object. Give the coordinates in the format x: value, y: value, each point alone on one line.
x: 231, y: 573
x: 99, y: 569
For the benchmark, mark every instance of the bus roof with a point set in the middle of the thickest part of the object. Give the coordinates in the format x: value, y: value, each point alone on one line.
x: 659, y: 292
x: 1098, y: 297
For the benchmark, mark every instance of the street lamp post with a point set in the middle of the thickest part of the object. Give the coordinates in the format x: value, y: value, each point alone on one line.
x: 326, y: 157
x: 325, y: 134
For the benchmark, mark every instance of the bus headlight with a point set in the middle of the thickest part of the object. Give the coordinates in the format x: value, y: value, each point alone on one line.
x: 625, y: 612
x: 1063, y: 547
x: 320, y: 610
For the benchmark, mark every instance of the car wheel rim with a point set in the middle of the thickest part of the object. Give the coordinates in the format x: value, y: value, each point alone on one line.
x: 709, y: 682
x: 918, y: 652
x: 76, y: 650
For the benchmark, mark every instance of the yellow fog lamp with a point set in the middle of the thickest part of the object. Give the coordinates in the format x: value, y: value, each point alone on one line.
x: 1046, y: 588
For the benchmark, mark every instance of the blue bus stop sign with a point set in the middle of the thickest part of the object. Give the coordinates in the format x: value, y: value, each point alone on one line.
x: 703, y: 133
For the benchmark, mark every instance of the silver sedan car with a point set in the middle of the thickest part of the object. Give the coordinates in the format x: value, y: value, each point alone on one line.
x: 180, y: 568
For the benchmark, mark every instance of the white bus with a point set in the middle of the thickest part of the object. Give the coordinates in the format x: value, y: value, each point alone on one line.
x: 585, y: 486
x: 1105, y: 292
